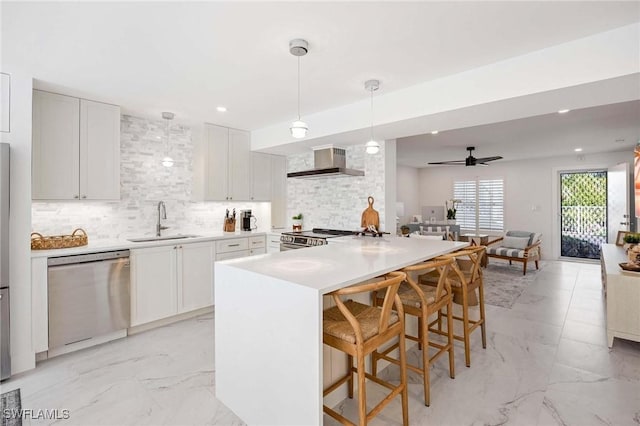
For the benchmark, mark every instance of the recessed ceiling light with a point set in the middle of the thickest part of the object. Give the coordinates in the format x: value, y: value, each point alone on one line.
x: 563, y: 111
x: 578, y: 150
x: 434, y: 132
x: 221, y: 109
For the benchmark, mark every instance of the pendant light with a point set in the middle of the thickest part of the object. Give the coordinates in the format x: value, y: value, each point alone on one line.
x: 167, y: 161
x: 298, y: 47
x: 372, y: 147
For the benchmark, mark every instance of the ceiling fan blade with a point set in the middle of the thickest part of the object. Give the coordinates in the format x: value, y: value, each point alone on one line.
x: 450, y: 163
x: 484, y: 160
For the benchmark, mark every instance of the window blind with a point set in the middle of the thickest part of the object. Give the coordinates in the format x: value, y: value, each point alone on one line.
x: 491, y: 205
x: 482, y: 206
x: 465, y: 191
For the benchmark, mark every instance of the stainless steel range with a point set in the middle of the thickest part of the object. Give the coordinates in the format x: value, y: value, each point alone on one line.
x: 315, y: 237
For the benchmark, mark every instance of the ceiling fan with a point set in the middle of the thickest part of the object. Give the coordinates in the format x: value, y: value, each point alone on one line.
x: 470, y: 160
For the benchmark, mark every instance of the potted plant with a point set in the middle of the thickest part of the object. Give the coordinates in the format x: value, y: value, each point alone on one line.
x: 631, y: 240
x: 297, y: 222
x: 451, y: 211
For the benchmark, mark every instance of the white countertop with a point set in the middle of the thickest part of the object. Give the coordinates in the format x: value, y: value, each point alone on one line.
x: 344, y: 261
x: 95, y: 246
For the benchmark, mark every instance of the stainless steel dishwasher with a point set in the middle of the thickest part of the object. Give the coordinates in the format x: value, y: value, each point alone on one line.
x: 88, y: 296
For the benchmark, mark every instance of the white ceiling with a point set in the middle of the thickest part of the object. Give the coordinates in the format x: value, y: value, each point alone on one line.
x: 613, y: 127
x: 190, y: 57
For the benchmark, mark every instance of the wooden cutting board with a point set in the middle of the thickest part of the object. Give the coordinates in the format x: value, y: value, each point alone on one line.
x: 370, y: 216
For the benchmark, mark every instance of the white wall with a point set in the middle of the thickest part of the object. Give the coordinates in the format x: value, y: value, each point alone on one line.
x: 530, y: 198
x: 144, y: 182
x: 408, y: 192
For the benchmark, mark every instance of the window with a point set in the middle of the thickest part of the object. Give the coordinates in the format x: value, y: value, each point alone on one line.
x: 482, y: 207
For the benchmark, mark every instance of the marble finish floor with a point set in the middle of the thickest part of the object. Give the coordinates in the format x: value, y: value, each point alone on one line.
x: 546, y: 363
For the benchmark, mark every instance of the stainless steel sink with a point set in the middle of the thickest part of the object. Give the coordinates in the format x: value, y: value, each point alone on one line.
x: 162, y: 238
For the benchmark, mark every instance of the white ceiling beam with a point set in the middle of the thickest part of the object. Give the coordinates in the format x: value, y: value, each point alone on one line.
x: 603, y: 56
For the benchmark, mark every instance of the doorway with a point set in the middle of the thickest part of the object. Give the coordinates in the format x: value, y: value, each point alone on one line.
x: 583, y: 213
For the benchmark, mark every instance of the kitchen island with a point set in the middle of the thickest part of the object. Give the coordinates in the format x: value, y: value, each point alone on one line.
x: 268, y: 326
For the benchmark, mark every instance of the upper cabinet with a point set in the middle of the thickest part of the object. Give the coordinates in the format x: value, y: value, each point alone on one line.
x: 260, y: 177
x: 227, y: 169
x: 76, y: 148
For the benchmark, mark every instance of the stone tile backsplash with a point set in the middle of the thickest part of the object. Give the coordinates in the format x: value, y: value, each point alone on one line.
x: 144, y: 182
x: 337, y: 202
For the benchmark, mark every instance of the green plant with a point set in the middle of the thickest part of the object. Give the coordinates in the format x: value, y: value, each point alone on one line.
x: 632, y: 238
x: 297, y: 217
x: 451, y: 211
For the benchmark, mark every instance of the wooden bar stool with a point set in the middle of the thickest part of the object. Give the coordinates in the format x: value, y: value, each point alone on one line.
x: 422, y: 301
x: 358, y: 330
x: 465, y: 277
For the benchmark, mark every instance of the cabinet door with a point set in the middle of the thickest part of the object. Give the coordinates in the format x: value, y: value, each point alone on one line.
x: 278, y: 192
x: 239, y: 165
x: 195, y: 276
x: 153, y: 284
x: 56, y: 147
x: 99, y: 151
x: 217, y: 162
x: 260, y: 176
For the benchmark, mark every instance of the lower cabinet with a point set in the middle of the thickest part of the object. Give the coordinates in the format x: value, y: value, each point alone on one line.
x: 195, y: 276
x: 169, y: 280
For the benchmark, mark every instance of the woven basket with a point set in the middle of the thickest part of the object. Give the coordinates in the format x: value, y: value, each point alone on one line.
x: 76, y: 239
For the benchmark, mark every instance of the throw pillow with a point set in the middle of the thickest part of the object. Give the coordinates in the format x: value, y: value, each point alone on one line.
x: 515, y: 242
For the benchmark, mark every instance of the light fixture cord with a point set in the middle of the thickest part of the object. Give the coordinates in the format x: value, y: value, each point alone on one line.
x: 371, y: 113
x: 166, y: 151
x: 298, y: 88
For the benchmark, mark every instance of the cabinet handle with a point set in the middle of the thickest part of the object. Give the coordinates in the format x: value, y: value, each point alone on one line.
x: 84, y: 196
x: 234, y: 245
x: 174, y: 247
x: 180, y: 247
x: 231, y: 198
x: 76, y: 197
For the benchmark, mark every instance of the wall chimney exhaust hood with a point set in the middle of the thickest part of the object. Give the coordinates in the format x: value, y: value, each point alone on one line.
x: 327, y: 162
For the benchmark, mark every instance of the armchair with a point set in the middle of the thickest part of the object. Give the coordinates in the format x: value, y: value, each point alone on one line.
x: 521, y: 246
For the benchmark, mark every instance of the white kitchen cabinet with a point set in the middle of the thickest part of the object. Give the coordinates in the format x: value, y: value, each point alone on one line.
x: 99, y: 151
x: 195, y: 276
x: 227, y: 168
x: 257, y: 245
x: 278, y: 192
x: 273, y: 242
x: 76, y: 148
x: 239, y: 165
x: 216, y: 145
x: 169, y: 280
x: 153, y: 284
x: 260, y: 176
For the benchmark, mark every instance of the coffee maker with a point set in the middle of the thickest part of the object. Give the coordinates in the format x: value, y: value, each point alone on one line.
x: 247, y: 220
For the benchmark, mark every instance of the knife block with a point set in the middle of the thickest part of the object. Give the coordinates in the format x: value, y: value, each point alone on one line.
x: 229, y: 225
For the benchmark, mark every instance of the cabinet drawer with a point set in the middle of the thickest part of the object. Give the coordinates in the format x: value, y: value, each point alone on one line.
x: 256, y: 242
x: 255, y: 251
x: 235, y: 244
x: 232, y: 255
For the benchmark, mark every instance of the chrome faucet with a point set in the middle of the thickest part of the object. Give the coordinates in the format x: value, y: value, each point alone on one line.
x: 162, y: 214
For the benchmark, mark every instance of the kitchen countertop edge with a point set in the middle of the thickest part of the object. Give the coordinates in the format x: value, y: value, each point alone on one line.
x: 98, y: 246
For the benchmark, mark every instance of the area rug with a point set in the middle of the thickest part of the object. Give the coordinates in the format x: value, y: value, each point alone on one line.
x: 10, y: 407
x: 504, y: 283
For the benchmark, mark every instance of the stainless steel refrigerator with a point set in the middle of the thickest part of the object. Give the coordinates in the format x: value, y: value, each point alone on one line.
x: 5, y: 353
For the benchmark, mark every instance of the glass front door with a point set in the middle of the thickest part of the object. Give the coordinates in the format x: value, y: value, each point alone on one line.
x: 583, y: 213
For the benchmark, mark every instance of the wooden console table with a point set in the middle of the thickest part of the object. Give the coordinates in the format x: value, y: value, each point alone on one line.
x: 623, y: 295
